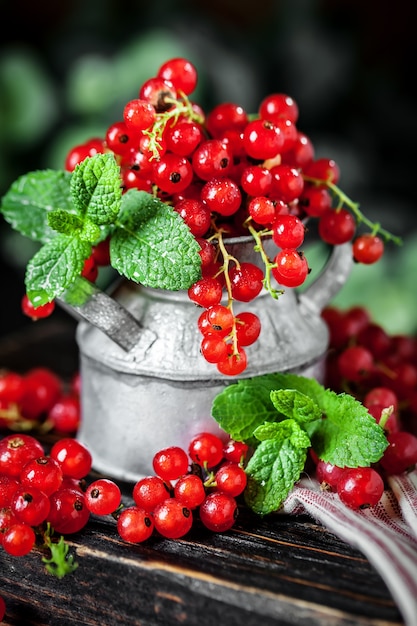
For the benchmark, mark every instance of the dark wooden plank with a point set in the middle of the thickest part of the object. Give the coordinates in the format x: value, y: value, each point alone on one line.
x: 281, y: 569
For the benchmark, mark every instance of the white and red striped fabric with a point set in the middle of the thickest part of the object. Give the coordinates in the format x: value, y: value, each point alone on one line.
x: 386, y: 533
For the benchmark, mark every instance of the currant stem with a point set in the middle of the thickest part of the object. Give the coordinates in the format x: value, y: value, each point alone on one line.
x: 257, y: 236
x: 375, y: 227
x: 181, y: 107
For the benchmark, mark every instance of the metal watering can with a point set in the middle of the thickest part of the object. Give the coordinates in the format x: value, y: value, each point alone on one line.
x: 145, y: 385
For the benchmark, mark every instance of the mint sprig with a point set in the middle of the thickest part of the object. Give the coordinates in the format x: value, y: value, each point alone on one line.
x: 280, y: 416
x: 70, y: 213
x: 61, y: 562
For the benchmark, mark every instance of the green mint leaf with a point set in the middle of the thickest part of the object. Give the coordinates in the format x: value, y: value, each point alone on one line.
x: 348, y: 436
x: 60, y: 562
x: 243, y: 406
x: 64, y: 222
x: 55, y: 267
x: 296, y: 405
x: 96, y: 188
x: 30, y: 200
x: 276, y: 465
x: 152, y: 245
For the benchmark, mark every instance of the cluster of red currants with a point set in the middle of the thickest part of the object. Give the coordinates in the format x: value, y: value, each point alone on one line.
x: 206, y: 481
x: 36, y: 489
x: 380, y: 370
x: 39, y: 400
x: 229, y: 173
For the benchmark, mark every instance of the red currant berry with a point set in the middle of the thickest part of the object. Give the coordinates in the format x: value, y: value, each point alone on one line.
x: 42, y: 389
x: 181, y: 73
x: 218, y: 512
x: 190, y: 491
x: 101, y: 253
x: 262, y: 210
x: 220, y: 320
x: 231, y: 479
x: 248, y: 328
x: 12, y: 386
x: 381, y: 396
x: 235, y: 363
x: 262, y: 139
x: 19, y: 539
x: 288, y: 231
x: 184, y: 137
x: 206, y: 292
x: 315, y: 200
x: 323, y: 169
x: 172, y: 173
x: 360, y: 487
x: 224, y: 117
x: 328, y: 475
x: 277, y: 106
x: 301, y: 154
x: 16, y: 450
x: 102, y: 497
x: 37, y: 312
x: 235, y: 451
x: 291, y: 268
x: 287, y: 183
x: 159, y: 92
x: 172, y: 519
x: 206, y: 450
x: 256, y: 180
x: 65, y: 414
x: 135, y: 525
x: 74, y: 458
x: 121, y: 139
x: 44, y: 473
x: 170, y: 463
x: 30, y: 505
x: 68, y: 513
x: 355, y: 363
x: 212, y: 158
x: 367, y: 249
x: 214, y: 349
x: 138, y: 115
x: 222, y: 195
x: 401, y: 454
x: 150, y: 491
x: 246, y: 281
x: 337, y: 226
x: 195, y: 214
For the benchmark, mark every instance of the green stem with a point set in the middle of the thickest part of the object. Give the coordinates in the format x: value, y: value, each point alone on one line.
x: 257, y: 236
x: 374, y: 227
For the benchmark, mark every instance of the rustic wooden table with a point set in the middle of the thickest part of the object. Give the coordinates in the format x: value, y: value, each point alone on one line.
x: 284, y: 570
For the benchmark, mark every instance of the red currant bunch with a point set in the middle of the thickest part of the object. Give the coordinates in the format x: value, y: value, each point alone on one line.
x: 200, y: 483
x: 39, y: 400
x: 229, y: 173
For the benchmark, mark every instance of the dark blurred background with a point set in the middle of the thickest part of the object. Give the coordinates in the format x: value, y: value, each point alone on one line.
x: 67, y: 68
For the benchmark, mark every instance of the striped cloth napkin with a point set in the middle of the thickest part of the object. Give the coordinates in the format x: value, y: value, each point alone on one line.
x: 386, y: 533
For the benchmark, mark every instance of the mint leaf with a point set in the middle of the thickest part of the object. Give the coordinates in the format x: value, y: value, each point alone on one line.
x: 54, y: 268
x: 297, y: 405
x: 275, y: 465
x: 32, y: 197
x: 152, y: 244
x: 243, y: 406
x: 64, y: 222
x: 348, y: 436
x: 96, y: 188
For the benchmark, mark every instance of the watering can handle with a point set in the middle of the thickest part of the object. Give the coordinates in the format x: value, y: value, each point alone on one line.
x: 84, y: 301
x: 330, y: 281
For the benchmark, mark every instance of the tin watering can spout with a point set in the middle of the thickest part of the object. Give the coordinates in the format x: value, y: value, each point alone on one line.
x: 85, y: 301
